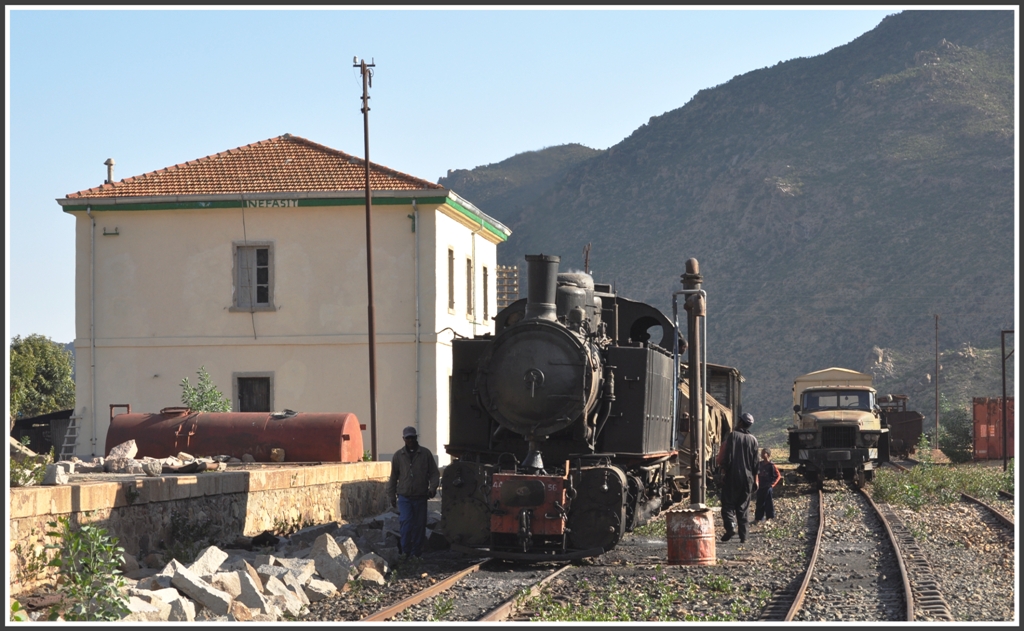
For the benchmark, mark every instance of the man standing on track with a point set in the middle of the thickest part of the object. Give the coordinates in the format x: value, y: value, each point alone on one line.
x: 738, y: 457
x: 414, y: 479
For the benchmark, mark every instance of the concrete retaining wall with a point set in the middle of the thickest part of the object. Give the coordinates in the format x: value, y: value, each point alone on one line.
x: 229, y: 503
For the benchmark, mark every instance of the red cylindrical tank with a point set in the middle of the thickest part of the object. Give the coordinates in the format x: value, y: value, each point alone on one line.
x: 309, y: 437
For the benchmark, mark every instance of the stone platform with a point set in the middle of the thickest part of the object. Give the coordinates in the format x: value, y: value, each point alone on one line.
x: 238, y: 502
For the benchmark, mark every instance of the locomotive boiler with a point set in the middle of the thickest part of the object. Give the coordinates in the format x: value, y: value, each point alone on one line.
x: 565, y: 426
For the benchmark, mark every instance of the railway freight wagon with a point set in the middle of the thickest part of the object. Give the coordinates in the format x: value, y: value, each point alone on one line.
x: 838, y: 429
x: 989, y: 442
x: 565, y: 426
x: 905, y: 426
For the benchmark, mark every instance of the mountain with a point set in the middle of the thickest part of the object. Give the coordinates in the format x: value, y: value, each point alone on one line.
x: 835, y: 204
x: 502, y: 187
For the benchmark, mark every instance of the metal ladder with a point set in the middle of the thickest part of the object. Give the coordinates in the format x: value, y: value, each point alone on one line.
x: 70, y: 440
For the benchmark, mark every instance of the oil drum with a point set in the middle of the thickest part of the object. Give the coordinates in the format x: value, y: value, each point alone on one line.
x: 691, y: 537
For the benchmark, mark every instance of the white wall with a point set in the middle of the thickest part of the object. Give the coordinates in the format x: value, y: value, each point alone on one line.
x: 164, y: 293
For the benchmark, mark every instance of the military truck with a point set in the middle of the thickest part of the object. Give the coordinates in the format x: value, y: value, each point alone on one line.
x: 839, y: 430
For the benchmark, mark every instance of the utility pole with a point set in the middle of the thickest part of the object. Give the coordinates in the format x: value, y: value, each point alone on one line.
x: 1002, y: 344
x: 936, y: 441
x: 367, y: 73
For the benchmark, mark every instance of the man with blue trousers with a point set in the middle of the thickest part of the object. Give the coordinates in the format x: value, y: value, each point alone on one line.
x: 414, y: 479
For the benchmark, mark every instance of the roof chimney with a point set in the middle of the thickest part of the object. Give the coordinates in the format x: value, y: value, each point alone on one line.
x: 110, y: 171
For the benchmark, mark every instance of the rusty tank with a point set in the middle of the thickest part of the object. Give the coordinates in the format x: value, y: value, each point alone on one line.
x: 304, y: 437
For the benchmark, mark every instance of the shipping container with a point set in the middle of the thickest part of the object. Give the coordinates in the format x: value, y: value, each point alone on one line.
x: 988, y: 428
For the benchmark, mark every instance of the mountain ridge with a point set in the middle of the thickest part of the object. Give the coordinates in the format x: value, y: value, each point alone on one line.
x: 835, y: 203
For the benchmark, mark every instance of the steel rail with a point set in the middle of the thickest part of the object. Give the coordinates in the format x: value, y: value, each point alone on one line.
x: 506, y: 609
x: 908, y: 592
x: 1003, y: 519
x: 798, y: 601
x: 418, y: 597
x: 1006, y: 495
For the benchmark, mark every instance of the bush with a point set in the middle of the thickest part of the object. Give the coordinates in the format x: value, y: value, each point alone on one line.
x: 88, y: 561
x: 956, y: 435
x: 205, y: 397
x: 932, y: 485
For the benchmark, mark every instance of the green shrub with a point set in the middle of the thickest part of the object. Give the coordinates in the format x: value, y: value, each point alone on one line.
x: 956, y: 435
x: 204, y: 397
x: 937, y: 485
x: 17, y: 613
x: 88, y: 562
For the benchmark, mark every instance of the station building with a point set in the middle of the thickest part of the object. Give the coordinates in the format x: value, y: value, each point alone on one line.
x: 251, y: 263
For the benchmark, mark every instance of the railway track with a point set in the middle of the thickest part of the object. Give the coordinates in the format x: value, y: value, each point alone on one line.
x: 487, y: 591
x: 855, y: 570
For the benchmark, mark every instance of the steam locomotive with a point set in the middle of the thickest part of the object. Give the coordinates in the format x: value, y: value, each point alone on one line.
x: 566, y: 429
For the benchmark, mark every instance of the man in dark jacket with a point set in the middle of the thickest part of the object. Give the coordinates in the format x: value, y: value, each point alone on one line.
x: 738, y: 457
x: 414, y: 479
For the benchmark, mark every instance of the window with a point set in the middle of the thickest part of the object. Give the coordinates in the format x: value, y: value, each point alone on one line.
x: 451, y: 280
x: 254, y: 277
x: 487, y: 313
x: 469, y: 288
x: 253, y: 392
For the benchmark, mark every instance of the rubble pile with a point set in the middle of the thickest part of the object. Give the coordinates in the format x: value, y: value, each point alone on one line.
x: 270, y: 579
x: 121, y: 459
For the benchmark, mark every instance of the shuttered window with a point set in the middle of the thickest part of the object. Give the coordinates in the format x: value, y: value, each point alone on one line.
x: 254, y: 394
x: 487, y: 313
x: 254, y: 391
x: 254, y: 276
x: 451, y: 280
x: 469, y: 288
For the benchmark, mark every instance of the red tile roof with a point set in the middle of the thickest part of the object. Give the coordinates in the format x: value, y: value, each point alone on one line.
x: 283, y: 164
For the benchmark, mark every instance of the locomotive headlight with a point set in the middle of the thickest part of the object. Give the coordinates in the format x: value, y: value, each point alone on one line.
x: 807, y: 438
x: 870, y: 440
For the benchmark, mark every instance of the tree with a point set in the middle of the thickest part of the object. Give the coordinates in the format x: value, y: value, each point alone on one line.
x: 205, y: 397
x: 40, y: 380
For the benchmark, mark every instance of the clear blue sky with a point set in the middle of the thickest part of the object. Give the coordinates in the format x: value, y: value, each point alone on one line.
x: 452, y: 89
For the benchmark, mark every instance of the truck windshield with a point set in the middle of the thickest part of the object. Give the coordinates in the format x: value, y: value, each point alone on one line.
x: 837, y: 400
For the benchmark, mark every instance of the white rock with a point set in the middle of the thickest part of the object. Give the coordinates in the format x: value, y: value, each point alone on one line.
x: 317, y: 590
x: 301, y: 569
x: 250, y: 592
x: 227, y: 582
x: 348, y: 548
x: 208, y: 561
x: 283, y: 597
x: 56, y: 473
x: 325, y: 544
x: 332, y: 569
x: 127, y: 449
x: 142, y: 611
x: 202, y: 592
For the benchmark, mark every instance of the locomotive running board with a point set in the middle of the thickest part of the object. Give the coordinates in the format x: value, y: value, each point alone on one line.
x: 508, y: 555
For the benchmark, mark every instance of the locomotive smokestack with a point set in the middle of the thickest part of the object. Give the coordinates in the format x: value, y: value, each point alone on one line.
x: 542, y: 285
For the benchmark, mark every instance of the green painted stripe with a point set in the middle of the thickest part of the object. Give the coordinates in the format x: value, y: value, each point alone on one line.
x: 477, y: 218
x: 299, y: 203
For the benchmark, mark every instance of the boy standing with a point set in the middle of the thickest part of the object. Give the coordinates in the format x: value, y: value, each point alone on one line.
x: 767, y: 477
